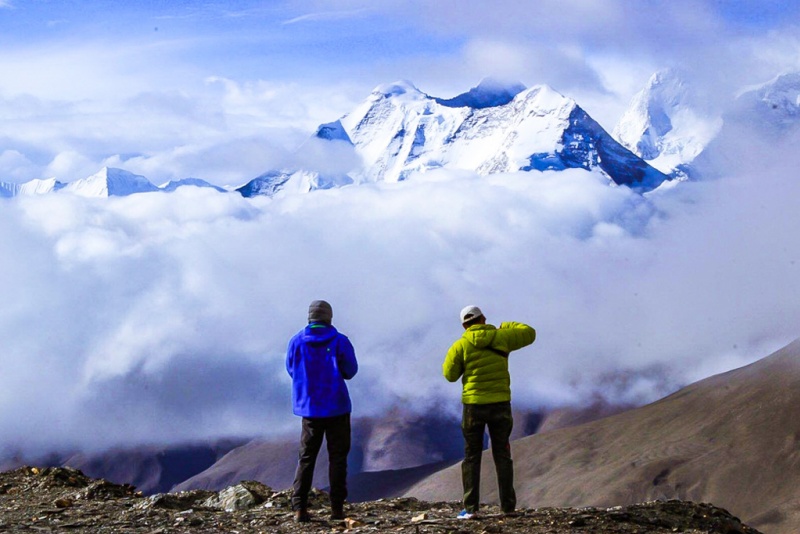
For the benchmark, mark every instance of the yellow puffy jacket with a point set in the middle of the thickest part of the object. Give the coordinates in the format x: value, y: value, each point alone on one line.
x: 478, y: 359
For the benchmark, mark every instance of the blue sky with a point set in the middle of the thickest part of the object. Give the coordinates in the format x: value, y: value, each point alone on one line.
x: 226, y: 90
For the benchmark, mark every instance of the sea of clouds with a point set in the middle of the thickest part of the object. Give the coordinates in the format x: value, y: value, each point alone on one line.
x: 163, y: 318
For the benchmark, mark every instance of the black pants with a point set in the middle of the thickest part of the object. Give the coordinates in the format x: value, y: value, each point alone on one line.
x: 336, y: 431
x: 497, y: 417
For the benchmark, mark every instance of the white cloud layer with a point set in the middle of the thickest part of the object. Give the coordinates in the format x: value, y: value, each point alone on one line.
x: 162, y: 317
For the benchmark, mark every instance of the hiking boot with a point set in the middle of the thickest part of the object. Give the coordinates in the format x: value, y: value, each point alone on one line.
x: 337, y: 511
x: 301, y: 516
x: 464, y: 514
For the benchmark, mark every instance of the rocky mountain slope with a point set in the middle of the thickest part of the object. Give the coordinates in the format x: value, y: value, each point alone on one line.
x: 65, y: 500
x: 732, y: 439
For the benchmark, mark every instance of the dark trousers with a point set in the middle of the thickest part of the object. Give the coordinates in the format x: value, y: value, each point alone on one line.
x: 497, y: 417
x: 336, y: 431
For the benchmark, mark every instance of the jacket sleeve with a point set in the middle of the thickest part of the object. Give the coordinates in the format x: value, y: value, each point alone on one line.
x: 346, y: 358
x: 453, y: 366
x: 512, y: 336
x: 290, y: 358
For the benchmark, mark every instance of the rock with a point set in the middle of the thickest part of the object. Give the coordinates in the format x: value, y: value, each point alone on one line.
x: 63, y: 503
x: 103, y: 489
x: 352, y: 523
x: 233, y: 498
x: 62, y: 476
x: 260, y: 491
x: 421, y: 517
x: 183, y: 500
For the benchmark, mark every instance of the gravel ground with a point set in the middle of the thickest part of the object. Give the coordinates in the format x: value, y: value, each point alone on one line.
x: 65, y: 500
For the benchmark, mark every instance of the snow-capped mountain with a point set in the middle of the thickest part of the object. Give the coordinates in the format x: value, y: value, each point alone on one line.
x: 33, y: 187
x: 399, y: 130
x: 110, y: 182
x: 665, y: 124
x: 492, y: 128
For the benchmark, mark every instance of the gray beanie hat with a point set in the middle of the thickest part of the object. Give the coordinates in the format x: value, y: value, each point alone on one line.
x: 320, y: 311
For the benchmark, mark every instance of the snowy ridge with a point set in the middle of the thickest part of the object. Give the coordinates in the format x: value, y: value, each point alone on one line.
x: 33, y: 187
x: 107, y: 182
x: 285, y: 182
x: 773, y: 107
x: 196, y: 182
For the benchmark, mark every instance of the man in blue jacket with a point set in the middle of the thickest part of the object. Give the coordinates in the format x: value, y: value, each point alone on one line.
x: 319, y: 359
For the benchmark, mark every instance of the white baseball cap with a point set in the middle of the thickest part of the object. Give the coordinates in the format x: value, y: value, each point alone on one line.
x: 469, y: 313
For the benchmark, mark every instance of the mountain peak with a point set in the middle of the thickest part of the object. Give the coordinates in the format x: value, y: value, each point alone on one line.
x: 110, y: 181
x: 398, y: 88
x: 490, y: 92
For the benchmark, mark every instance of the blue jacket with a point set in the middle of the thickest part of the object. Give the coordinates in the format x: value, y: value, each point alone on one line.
x: 319, y: 359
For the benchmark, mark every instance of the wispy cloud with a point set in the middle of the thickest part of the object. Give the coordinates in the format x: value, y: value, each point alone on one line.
x: 325, y: 16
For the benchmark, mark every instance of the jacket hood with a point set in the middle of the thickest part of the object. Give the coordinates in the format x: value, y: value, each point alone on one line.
x: 318, y: 333
x: 480, y: 335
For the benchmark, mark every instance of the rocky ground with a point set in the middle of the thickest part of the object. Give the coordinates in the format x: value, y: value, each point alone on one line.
x: 65, y: 500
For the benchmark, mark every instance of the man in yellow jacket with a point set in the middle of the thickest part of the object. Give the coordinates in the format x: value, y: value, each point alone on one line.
x: 480, y: 359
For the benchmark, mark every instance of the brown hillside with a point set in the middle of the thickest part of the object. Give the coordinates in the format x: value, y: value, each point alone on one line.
x: 732, y: 440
